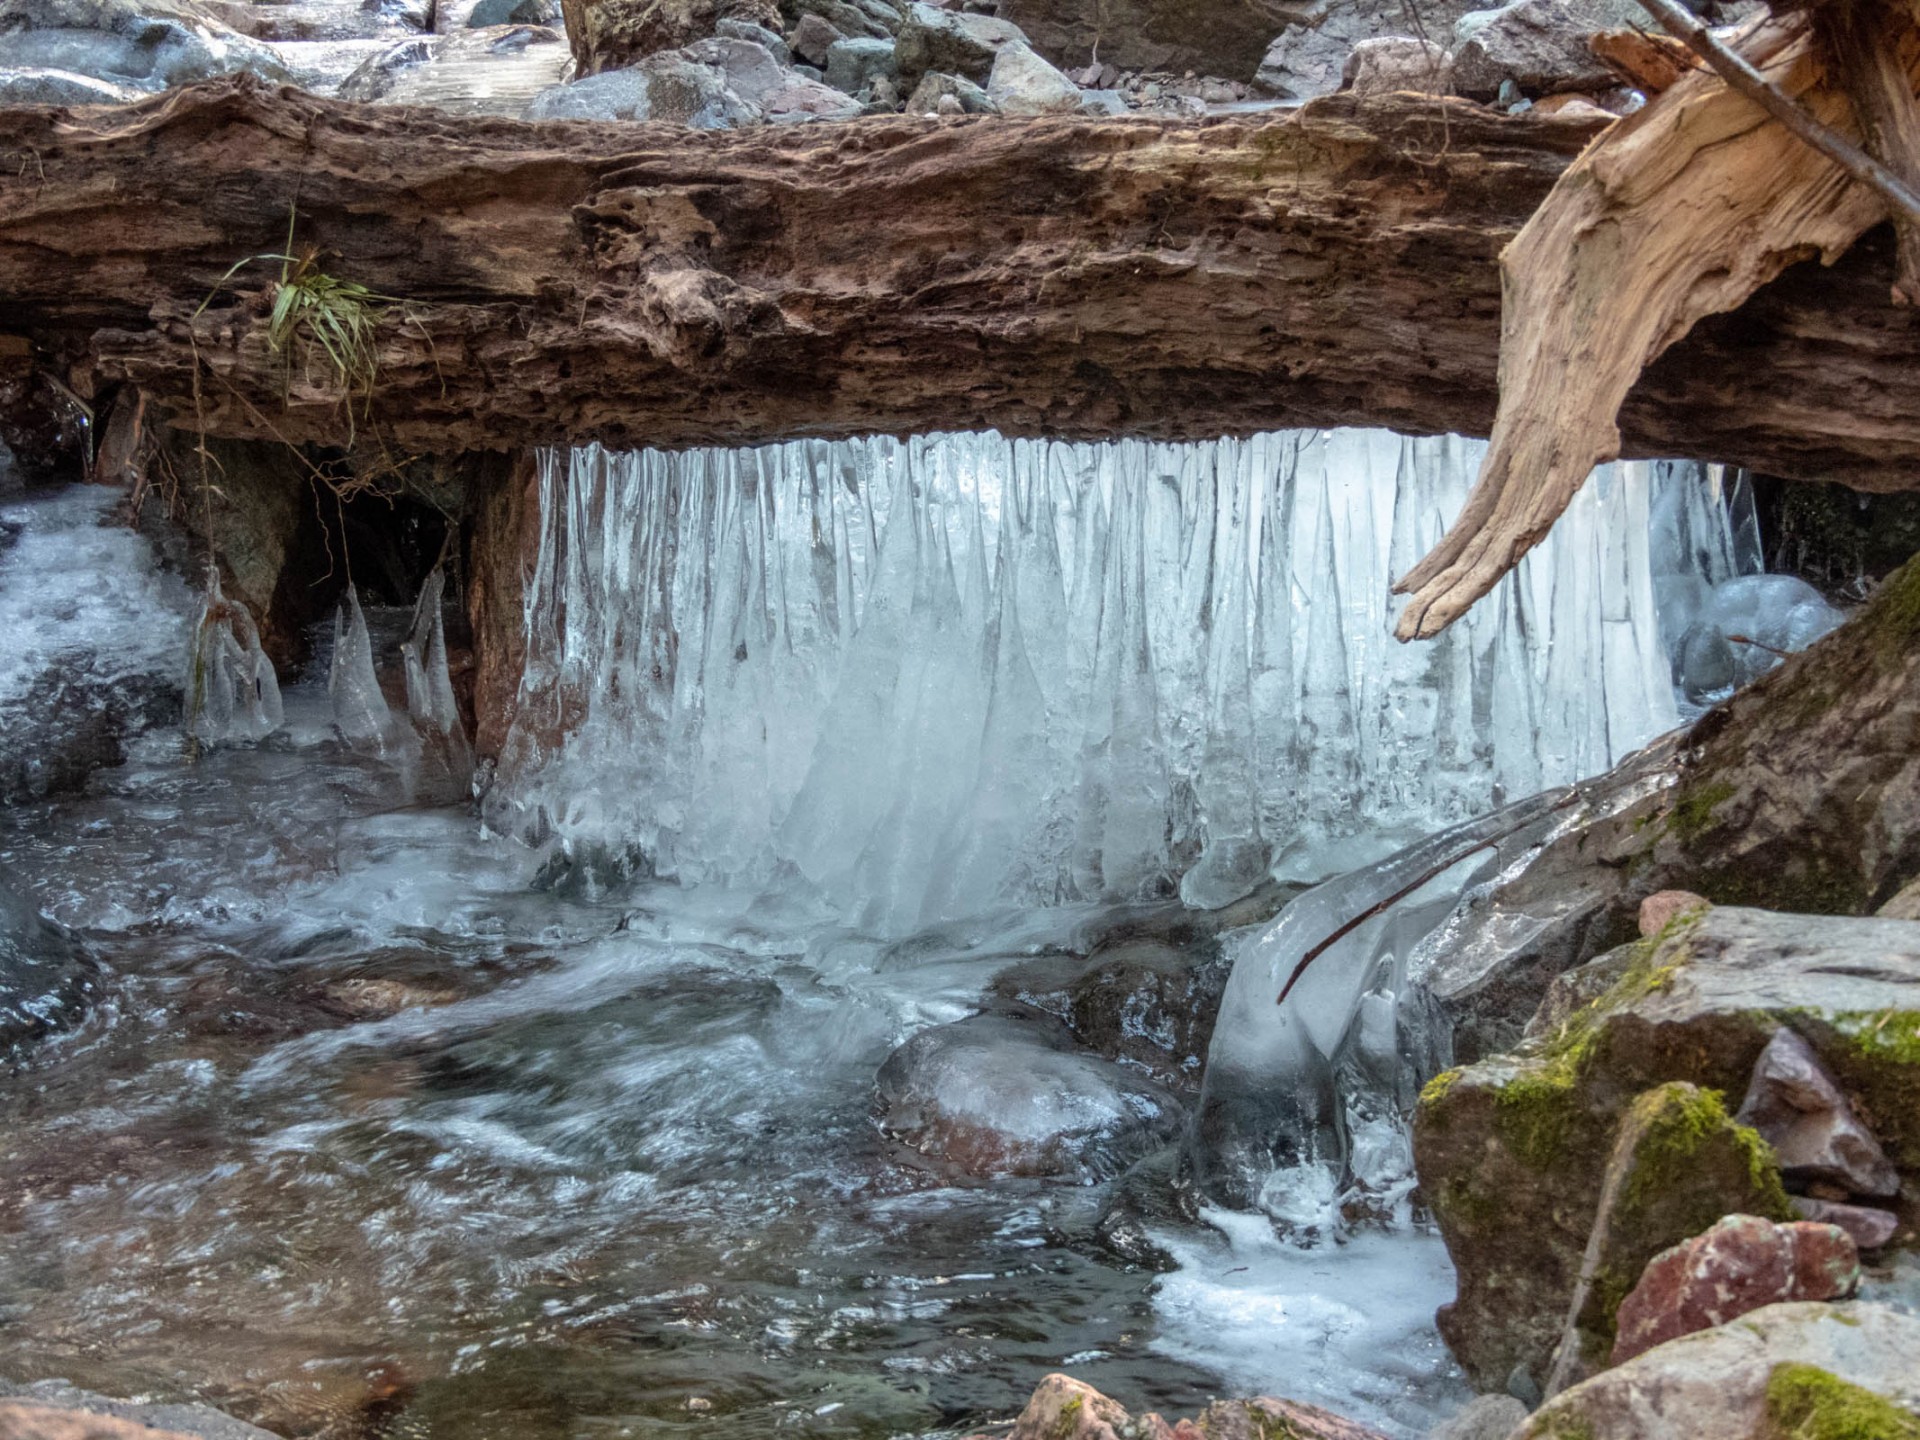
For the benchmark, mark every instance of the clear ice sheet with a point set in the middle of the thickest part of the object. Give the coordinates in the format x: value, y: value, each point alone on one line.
x: 925, y: 678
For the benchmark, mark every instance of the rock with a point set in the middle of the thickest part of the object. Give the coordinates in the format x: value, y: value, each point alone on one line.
x: 1870, y: 1228
x: 1572, y: 107
x: 1905, y: 905
x: 732, y: 29
x: 1511, y: 1150
x: 1103, y: 102
x: 1063, y: 1408
x: 1540, y: 45
x: 1486, y: 1417
x: 1742, y: 1263
x: 1021, y: 83
x: 1397, y: 62
x: 691, y: 87
x: 1207, y: 37
x: 74, y: 721
x: 1678, y: 1165
x: 851, y: 20
x: 450, y: 16
x: 496, y: 71
x: 951, y: 42
x: 1796, y: 1105
x: 1008, y: 1095
x: 1663, y: 907
x: 143, y: 44
x: 1786, y: 1370
x: 56, y: 1410
x: 614, y: 34
x: 46, y: 980
x: 1265, y: 1418
x: 813, y: 37
x: 60, y: 87
x: 853, y: 64
x: 1308, y: 55
x: 934, y: 89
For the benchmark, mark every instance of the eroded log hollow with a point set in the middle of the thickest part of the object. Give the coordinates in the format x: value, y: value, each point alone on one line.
x: 1073, y: 277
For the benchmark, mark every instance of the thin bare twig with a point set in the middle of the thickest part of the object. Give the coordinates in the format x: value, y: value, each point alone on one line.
x: 1733, y: 68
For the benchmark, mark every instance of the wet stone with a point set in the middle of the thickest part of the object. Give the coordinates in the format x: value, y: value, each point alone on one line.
x: 1740, y: 1265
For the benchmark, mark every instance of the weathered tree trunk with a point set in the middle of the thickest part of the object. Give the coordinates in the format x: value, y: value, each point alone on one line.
x: 1864, y: 39
x: 1075, y: 277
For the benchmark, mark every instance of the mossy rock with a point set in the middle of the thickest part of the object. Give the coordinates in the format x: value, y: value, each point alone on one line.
x: 1513, y: 1152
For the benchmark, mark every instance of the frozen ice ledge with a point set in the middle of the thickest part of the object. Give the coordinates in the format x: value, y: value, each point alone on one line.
x: 908, y: 680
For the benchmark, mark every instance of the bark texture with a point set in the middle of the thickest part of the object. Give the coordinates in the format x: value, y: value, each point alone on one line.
x: 1679, y: 213
x: 1075, y: 277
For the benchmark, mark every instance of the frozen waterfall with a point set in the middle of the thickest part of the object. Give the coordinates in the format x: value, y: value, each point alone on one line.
x: 919, y: 679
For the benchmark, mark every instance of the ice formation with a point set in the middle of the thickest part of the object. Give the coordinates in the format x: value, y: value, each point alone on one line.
x: 231, y: 692
x: 359, y: 708
x: 923, y: 678
x: 430, y: 700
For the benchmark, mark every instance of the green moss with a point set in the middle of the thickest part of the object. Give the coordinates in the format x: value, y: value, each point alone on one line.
x: 1692, y: 811
x: 1560, y: 1427
x: 1889, y: 1034
x: 1684, y: 1120
x: 1805, y: 1402
x: 1435, y: 1090
x: 1068, y: 1420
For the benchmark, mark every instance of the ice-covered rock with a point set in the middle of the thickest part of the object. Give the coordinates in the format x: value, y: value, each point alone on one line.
x: 494, y: 71
x: 1009, y: 1095
x: 142, y: 44
x: 46, y: 980
x: 1745, y: 625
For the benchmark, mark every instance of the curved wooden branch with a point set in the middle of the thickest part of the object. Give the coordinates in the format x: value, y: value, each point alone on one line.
x: 1681, y: 212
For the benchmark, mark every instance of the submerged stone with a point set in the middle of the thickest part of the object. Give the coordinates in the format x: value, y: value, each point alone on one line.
x: 46, y: 980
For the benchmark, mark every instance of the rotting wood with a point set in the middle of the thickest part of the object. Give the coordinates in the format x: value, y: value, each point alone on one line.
x: 1679, y: 213
x: 1072, y: 277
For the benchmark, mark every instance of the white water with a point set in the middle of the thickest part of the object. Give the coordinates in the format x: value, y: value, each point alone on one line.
x: 916, y: 680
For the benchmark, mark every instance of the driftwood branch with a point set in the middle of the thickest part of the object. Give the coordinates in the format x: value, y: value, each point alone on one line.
x: 1728, y: 64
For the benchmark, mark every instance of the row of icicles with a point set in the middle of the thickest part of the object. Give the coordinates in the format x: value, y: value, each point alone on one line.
x: 233, y: 695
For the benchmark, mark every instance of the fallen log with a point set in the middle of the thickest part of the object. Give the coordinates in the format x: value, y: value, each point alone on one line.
x: 1072, y: 277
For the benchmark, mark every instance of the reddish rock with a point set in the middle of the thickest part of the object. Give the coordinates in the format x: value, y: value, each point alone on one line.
x: 1739, y: 1265
x: 20, y: 1421
x: 1870, y: 1228
x: 1657, y: 911
x: 1265, y: 1417
x: 1063, y: 1408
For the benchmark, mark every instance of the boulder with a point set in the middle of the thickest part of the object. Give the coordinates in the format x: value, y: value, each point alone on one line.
x: 1397, y: 62
x: 1511, y: 1151
x: 1870, y: 1228
x: 1741, y: 1263
x: 755, y: 75
x: 1540, y: 45
x: 852, y: 65
x: 690, y: 86
x: 495, y: 71
x: 1799, y: 1109
x: 734, y: 29
x: 56, y: 1410
x: 934, y: 88
x: 1207, y: 37
x: 450, y: 16
x: 46, y: 980
x: 1008, y: 1094
x: 613, y: 34
x: 952, y: 42
x: 1800, y: 1369
x: 855, y: 20
x: 1485, y: 1417
x: 1307, y: 55
x: 813, y: 37
x: 1662, y: 908
x: 142, y: 44
x: 60, y: 87
x: 1063, y: 1408
x: 1021, y: 83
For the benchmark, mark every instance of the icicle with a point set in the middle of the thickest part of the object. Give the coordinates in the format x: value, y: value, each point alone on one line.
x: 359, y: 709
x: 927, y: 677
x: 430, y: 701
x: 232, y: 693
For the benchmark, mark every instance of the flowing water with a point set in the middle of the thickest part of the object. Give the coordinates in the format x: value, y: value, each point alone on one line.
x: 388, y: 1122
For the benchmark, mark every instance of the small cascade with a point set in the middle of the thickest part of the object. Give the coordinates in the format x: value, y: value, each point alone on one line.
x: 423, y: 655
x: 359, y: 708
x: 232, y: 695
x: 921, y: 679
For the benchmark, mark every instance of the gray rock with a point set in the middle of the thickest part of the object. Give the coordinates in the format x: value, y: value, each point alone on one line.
x: 610, y: 95
x: 853, y: 63
x: 734, y: 29
x: 60, y: 87
x: 1309, y: 54
x: 773, y: 91
x: 813, y: 37
x: 951, y: 42
x: 1870, y: 1228
x: 849, y: 20
x: 1796, y: 1105
x: 1103, y: 102
x: 496, y: 71
x: 1008, y: 1095
x: 934, y: 88
x: 1540, y: 45
x: 1206, y: 37
x: 1486, y: 1417
x: 1395, y: 63
x: 202, y: 1421
x: 670, y: 85
x: 149, y: 44
x: 1714, y: 1385
x: 450, y: 16
x: 1021, y: 83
